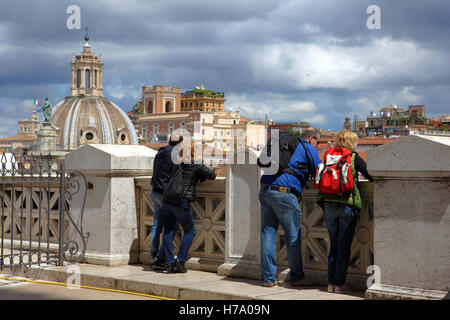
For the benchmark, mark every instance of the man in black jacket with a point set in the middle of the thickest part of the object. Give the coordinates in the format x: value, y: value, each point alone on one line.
x: 162, y: 168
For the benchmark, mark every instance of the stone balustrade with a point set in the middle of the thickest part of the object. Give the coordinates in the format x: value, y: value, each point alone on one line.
x: 412, y: 218
x: 402, y: 232
x: 243, y: 229
x: 209, y: 248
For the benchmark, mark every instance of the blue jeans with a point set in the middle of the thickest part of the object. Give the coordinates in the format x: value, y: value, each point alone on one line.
x: 280, y: 208
x: 157, y: 228
x: 341, y: 223
x: 182, y: 215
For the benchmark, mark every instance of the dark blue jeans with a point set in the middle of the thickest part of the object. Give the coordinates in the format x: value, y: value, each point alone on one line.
x: 341, y: 223
x: 182, y: 215
x: 157, y: 228
x: 280, y: 208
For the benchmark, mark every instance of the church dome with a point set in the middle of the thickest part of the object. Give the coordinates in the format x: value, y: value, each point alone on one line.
x: 85, y: 120
x: 86, y: 116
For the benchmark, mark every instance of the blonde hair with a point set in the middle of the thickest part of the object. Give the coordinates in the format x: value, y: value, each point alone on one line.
x: 346, y: 139
x: 194, y: 153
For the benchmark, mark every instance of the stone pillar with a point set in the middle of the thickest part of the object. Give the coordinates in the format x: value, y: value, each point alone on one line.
x: 91, y: 81
x: 74, y: 82
x: 83, y: 80
x: 110, y: 212
x: 242, y: 219
x: 411, y: 218
x: 100, y: 83
x: 47, y: 138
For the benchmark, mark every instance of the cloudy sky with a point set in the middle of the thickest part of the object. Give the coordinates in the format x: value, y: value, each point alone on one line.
x: 299, y: 60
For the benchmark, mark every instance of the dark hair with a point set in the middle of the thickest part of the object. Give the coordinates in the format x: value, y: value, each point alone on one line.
x: 310, y: 133
x: 175, y: 139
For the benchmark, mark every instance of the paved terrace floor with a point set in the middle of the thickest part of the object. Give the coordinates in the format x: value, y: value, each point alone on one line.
x: 193, y: 285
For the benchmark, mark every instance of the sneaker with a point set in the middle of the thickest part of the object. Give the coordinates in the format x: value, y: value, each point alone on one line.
x: 158, y: 264
x: 331, y: 288
x: 180, y: 267
x: 171, y: 268
x: 341, y: 290
x: 299, y: 283
x: 270, y: 285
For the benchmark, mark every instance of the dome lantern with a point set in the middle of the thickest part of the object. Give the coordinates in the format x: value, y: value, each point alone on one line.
x: 86, y: 117
x: 87, y: 73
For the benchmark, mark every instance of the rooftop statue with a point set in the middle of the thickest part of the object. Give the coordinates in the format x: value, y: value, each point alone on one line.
x: 47, y: 111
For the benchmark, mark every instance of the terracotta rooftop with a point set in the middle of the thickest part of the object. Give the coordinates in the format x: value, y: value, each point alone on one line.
x: 362, y: 154
x: 373, y: 140
x: 244, y: 119
x: 326, y: 139
x: 322, y: 146
x: 18, y: 138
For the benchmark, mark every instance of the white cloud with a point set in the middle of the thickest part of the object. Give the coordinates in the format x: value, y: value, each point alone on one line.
x: 118, y: 90
x: 14, y: 111
x: 287, y: 50
x: 277, y: 107
x: 6, y: 129
x: 403, y: 98
x: 408, y: 97
x: 383, y: 61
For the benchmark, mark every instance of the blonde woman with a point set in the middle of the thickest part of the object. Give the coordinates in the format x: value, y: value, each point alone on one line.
x: 341, y: 215
x: 193, y: 171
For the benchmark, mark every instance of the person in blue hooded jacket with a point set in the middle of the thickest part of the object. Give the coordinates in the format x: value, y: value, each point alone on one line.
x: 279, y: 198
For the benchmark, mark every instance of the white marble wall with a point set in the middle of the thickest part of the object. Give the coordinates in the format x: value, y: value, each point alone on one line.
x: 243, y: 220
x: 411, y: 218
x: 110, y: 210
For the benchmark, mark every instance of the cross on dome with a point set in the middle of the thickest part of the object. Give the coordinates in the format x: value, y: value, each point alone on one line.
x: 86, y: 37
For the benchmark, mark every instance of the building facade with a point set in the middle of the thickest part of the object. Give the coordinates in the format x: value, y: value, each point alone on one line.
x: 26, y: 135
x: 205, y: 121
x: 292, y: 126
x: 204, y: 100
x: 219, y: 130
x: 347, y: 124
x: 393, y: 121
x: 160, y: 99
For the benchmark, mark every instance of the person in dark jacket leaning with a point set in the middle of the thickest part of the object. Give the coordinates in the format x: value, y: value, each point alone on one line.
x: 181, y: 213
x: 162, y: 168
x: 340, y: 216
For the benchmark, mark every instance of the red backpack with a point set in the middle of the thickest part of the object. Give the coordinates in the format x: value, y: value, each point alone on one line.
x: 334, y: 177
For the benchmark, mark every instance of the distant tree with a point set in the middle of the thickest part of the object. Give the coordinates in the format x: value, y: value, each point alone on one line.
x: 414, y: 119
x: 137, y: 108
x: 405, y: 121
x: 445, y: 127
x: 295, y: 133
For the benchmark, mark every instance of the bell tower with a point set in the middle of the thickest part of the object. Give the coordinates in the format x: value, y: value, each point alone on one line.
x: 87, y: 72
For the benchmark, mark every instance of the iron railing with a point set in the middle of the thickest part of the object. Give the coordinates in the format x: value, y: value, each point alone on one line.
x: 35, y: 198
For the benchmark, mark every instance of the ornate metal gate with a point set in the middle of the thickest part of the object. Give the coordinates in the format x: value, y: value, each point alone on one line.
x: 35, y: 220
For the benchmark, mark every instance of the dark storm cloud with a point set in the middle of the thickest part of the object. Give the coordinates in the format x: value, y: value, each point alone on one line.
x: 296, y: 60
